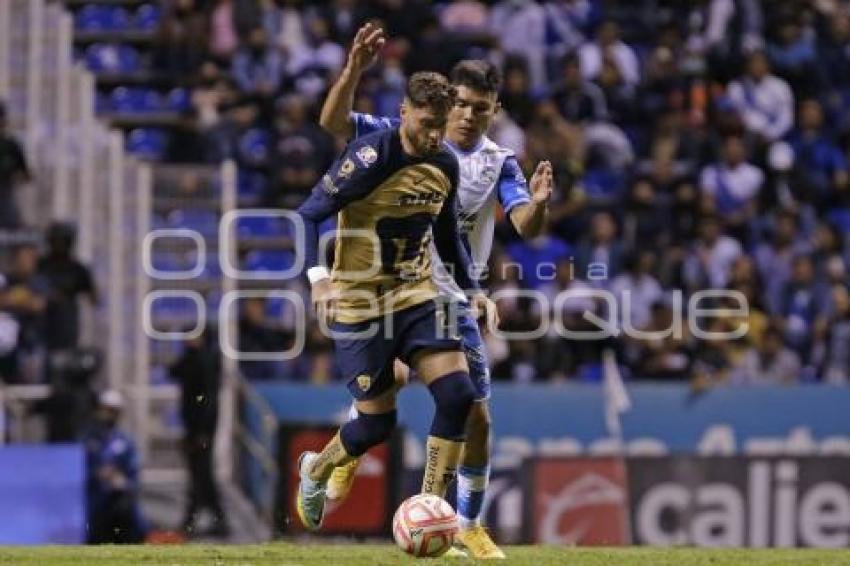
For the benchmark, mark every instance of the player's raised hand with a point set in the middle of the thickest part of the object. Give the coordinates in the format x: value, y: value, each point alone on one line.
x: 541, y: 182
x: 368, y: 42
x: 485, y: 311
x: 324, y: 299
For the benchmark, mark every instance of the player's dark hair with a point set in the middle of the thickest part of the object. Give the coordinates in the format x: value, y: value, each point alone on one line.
x: 431, y: 90
x: 477, y: 74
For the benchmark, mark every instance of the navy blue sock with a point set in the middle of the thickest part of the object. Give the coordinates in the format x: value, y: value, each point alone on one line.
x: 366, y: 431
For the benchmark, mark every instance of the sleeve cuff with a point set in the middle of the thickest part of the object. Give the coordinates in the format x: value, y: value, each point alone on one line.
x: 317, y: 273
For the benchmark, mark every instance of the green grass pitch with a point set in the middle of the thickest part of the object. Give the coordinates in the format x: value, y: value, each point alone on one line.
x: 281, y: 554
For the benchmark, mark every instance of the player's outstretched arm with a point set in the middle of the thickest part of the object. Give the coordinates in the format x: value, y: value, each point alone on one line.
x: 335, y: 116
x: 529, y: 218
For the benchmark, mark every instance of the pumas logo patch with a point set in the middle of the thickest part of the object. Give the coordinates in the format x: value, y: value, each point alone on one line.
x: 367, y: 155
x: 364, y: 382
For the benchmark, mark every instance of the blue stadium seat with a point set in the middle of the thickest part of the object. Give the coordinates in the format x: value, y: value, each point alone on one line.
x: 267, y: 260
x: 262, y: 227
x: 147, y: 143
x: 179, y: 100
x: 118, y: 18
x: 112, y: 58
x: 275, y: 307
x: 147, y: 17
x: 135, y: 100
x: 254, y: 146
x: 92, y: 17
x: 203, y: 221
x: 173, y: 306
x: 167, y: 261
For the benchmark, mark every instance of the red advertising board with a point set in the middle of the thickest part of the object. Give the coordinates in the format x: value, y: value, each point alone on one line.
x: 582, y: 501
x: 369, y: 507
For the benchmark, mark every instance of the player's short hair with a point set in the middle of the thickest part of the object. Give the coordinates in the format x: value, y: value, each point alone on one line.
x: 431, y: 90
x: 477, y: 74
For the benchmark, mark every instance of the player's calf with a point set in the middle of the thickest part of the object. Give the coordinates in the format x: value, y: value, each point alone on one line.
x: 474, y: 472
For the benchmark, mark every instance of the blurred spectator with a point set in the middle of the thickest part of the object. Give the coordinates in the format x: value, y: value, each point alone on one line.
x: 13, y: 171
x: 609, y: 47
x: 181, y: 40
x: 283, y: 23
x: 312, y: 62
x: 833, y: 52
x: 774, y: 259
x: 465, y: 16
x: 198, y: 372
x: 803, y: 300
x: 520, y: 26
x: 765, y: 101
x: 300, y: 152
x: 112, y: 484
x: 601, y: 253
x: 516, y: 95
x: 793, y: 55
x: 821, y: 167
x: 258, y: 68
x: 568, y: 22
x: 213, y: 93
x: 734, y: 186
x: 68, y: 280
x: 231, y: 21
x: 657, y: 352
x: 645, y: 223
x: 9, y: 332
x: 770, y: 362
x: 222, y: 140
x: 642, y: 288
x: 836, y: 364
x: 25, y: 299
x: 709, y: 262
x: 258, y: 334
x: 578, y: 99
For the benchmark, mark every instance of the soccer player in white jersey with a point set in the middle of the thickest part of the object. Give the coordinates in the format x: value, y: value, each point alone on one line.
x: 489, y: 174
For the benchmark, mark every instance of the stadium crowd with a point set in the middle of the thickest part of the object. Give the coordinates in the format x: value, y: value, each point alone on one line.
x: 696, y: 145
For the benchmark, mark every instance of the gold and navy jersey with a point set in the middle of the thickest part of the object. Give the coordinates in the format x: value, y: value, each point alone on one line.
x: 390, y: 205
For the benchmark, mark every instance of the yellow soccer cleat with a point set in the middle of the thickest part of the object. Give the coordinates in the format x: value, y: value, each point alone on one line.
x: 342, y: 480
x: 479, y: 544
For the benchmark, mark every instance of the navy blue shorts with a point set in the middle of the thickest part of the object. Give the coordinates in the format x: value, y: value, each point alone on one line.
x: 366, y: 360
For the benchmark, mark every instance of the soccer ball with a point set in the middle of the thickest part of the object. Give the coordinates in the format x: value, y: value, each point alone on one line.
x: 425, y: 526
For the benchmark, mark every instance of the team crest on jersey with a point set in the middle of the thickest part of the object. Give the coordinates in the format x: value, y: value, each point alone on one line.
x: 364, y: 382
x: 489, y: 175
x: 346, y: 169
x: 367, y: 155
